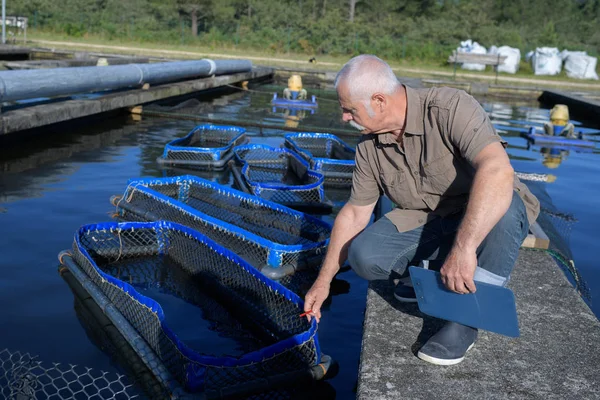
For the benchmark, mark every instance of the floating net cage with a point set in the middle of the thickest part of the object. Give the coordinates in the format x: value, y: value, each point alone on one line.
x: 206, y: 146
x: 272, y: 343
x: 274, y: 239
x: 25, y: 377
x: 280, y: 175
x: 326, y: 154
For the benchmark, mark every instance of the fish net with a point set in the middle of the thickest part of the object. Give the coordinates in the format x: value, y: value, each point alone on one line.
x: 326, y: 154
x: 125, y: 259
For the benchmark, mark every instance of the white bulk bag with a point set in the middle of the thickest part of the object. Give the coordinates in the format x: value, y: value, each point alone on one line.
x: 546, y: 61
x: 513, y: 58
x: 468, y: 46
x: 580, y: 66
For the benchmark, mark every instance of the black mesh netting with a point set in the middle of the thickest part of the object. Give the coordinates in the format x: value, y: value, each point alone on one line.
x: 107, y: 338
x: 256, y: 314
x: 282, y: 230
x: 279, y: 176
x: 335, y: 159
x: 205, y: 145
x: 24, y: 377
x: 557, y: 226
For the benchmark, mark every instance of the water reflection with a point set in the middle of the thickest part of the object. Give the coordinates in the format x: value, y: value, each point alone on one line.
x: 553, y: 156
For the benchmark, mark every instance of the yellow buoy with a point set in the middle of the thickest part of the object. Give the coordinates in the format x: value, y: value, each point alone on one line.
x: 559, y: 115
x: 295, y: 83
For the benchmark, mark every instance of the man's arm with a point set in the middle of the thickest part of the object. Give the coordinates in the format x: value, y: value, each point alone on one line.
x: 490, y: 198
x: 351, y: 220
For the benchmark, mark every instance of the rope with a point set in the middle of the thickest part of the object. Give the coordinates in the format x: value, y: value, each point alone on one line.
x: 62, y: 254
x: 246, y: 123
x: 128, y: 200
x: 263, y: 91
x: 120, y: 246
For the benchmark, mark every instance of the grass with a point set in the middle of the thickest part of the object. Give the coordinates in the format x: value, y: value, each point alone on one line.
x: 192, y: 48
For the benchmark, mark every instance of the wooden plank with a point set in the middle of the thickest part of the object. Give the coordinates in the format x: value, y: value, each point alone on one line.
x: 487, y: 59
x: 536, y: 239
x: 46, y: 114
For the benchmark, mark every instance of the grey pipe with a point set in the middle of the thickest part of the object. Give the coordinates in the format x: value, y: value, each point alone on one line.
x: 277, y: 273
x: 127, y: 330
x: 28, y: 84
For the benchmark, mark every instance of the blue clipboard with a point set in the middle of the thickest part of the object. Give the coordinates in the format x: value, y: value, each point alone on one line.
x: 491, y: 307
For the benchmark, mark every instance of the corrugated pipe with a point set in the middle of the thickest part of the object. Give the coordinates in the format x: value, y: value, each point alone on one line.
x: 29, y: 84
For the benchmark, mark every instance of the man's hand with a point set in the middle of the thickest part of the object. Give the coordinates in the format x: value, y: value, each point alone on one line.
x: 314, y: 299
x: 458, y: 270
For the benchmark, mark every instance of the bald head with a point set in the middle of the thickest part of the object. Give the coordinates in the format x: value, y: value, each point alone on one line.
x: 366, y: 75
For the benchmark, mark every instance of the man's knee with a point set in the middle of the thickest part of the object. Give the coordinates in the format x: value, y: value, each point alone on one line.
x: 363, y: 260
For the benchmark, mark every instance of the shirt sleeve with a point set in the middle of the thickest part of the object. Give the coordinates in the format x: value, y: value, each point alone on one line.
x: 365, y: 190
x: 469, y: 127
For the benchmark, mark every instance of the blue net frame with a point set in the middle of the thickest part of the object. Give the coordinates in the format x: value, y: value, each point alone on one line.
x: 292, y: 344
x: 295, y: 104
x: 266, y: 234
x: 266, y: 169
x: 326, y: 154
x: 206, y: 146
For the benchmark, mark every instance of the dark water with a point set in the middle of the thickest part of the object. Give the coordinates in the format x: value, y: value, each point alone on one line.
x: 199, y: 320
x: 52, y: 185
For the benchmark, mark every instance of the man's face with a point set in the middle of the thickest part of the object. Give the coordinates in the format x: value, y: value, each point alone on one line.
x: 355, y: 113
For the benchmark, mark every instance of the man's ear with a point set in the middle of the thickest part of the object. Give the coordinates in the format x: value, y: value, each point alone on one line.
x: 379, y: 101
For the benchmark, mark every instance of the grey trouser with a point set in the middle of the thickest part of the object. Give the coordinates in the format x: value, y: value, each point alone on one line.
x: 380, y: 249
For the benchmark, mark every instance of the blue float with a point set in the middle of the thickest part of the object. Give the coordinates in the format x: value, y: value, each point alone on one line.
x: 541, y: 140
x: 311, y: 104
x: 509, y: 128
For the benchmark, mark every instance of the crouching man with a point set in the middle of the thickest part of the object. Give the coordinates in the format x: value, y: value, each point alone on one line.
x: 435, y: 154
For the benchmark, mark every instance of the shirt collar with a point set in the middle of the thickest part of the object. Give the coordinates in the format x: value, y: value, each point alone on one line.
x: 414, y: 112
x: 414, y: 117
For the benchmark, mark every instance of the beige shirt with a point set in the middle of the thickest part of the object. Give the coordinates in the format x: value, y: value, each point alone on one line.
x: 431, y: 175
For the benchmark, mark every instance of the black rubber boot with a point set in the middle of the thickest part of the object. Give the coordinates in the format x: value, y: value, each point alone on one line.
x: 449, y: 345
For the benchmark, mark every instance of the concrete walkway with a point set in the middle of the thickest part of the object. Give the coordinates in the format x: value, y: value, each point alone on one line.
x: 556, y: 357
